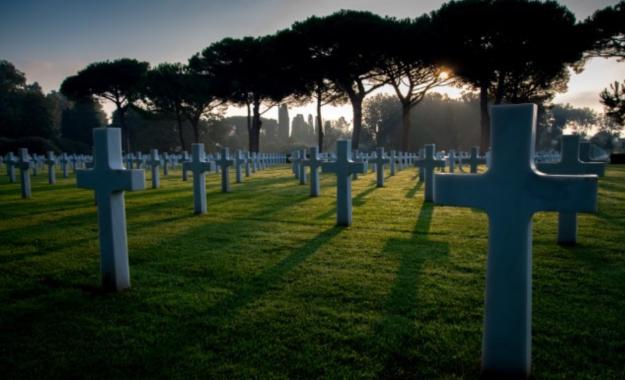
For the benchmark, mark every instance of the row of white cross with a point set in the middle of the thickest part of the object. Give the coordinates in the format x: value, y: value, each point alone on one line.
x: 510, y: 192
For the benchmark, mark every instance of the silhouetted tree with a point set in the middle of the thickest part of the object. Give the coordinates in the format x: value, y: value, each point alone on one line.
x: 252, y: 75
x: 118, y: 81
x: 614, y: 102
x: 164, y: 91
x: 348, y: 46
x: 24, y: 110
x: 310, y: 72
x: 412, y: 72
x: 606, y: 31
x: 80, y: 118
x: 496, y: 43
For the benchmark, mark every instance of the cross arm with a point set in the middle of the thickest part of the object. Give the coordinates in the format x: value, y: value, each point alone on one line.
x: 462, y: 190
x: 564, y: 193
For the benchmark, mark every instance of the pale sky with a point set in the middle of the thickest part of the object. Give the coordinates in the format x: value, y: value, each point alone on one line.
x: 52, y: 39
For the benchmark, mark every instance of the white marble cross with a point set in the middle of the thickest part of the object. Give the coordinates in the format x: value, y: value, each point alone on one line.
x: 570, y: 164
x: 224, y: 162
x: 510, y: 192
x: 24, y: 164
x: 344, y: 167
x: 11, y: 163
x: 51, y: 162
x: 379, y: 161
x: 248, y: 165
x: 315, y: 163
x: 109, y: 179
x: 301, y: 167
x: 427, y: 164
x: 239, y: 160
x: 475, y: 159
x: 198, y: 166
x: 155, y: 162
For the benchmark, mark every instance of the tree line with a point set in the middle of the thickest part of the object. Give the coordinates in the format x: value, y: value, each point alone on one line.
x: 508, y: 51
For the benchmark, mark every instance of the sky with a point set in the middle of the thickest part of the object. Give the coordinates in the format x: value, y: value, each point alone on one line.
x: 49, y: 40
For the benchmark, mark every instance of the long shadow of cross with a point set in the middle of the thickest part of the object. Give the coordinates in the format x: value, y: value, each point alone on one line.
x: 396, y: 334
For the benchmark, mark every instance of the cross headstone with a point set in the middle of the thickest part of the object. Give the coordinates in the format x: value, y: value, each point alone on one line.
x: 301, y: 168
x: 510, y: 192
x: 570, y: 164
x: 109, y: 179
x: 247, y: 164
x: 198, y: 166
x: 475, y: 159
x: 343, y: 167
x: 393, y: 159
x: 154, y: 162
x: 428, y: 163
x: 224, y: 162
x: 238, y: 163
x: 166, y: 163
x: 380, y: 161
x: 51, y: 162
x: 185, y: 159
x: 24, y: 164
x: 315, y: 163
x: 11, y: 162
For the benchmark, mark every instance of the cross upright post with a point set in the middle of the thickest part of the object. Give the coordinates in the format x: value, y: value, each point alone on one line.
x: 51, y: 162
x: 314, y: 163
x: 247, y: 164
x: 301, y: 168
x: 427, y: 164
x: 570, y: 164
x: 155, y: 162
x: 238, y: 163
x: 109, y: 179
x: 166, y: 163
x: 11, y: 163
x: 393, y: 159
x: 475, y: 159
x: 224, y: 162
x: 510, y: 192
x: 198, y: 167
x: 380, y: 161
x: 23, y: 164
x: 344, y: 167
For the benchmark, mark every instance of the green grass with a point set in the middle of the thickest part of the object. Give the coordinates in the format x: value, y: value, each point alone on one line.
x: 265, y: 286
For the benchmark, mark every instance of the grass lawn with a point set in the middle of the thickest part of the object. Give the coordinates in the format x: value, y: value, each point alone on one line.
x: 265, y: 286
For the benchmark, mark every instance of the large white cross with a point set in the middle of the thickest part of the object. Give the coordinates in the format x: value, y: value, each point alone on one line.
x: 109, y: 179
x: 510, y: 192
x: 427, y: 164
x: 570, y: 164
x: 344, y: 167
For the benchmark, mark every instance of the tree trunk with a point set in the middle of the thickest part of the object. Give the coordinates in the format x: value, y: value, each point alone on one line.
x: 254, y: 131
x: 125, y: 133
x: 319, y: 122
x: 195, y: 122
x: 485, y: 117
x: 357, y: 109
x: 249, y: 118
x: 406, y: 107
x: 180, y: 132
x: 501, y: 86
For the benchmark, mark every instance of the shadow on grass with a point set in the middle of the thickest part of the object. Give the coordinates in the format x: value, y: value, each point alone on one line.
x: 413, y: 191
x: 397, y: 331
